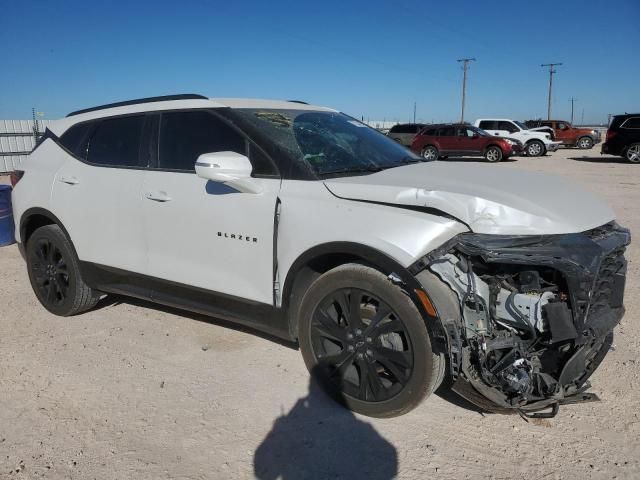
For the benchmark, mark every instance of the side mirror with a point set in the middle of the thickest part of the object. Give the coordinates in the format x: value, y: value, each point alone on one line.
x: 230, y: 168
x: 475, y: 135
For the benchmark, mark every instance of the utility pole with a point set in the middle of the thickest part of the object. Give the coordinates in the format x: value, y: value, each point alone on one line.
x: 465, y: 67
x: 552, y: 70
x: 414, y: 112
x: 572, y: 100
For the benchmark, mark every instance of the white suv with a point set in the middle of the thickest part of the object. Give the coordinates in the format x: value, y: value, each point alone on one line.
x: 392, y: 273
x: 535, y: 143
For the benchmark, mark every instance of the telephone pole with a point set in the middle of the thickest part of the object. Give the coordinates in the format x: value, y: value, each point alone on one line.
x: 572, y: 100
x: 465, y: 67
x: 552, y: 70
x: 414, y: 112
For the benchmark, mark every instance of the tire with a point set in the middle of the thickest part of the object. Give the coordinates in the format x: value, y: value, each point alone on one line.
x: 376, y: 357
x: 54, y: 273
x: 584, y: 143
x: 430, y: 153
x: 535, y: 148
x: 493, y: 154
x: 632, y: 153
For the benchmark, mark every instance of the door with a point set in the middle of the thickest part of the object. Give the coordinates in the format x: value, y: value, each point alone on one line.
x: 468, y: 142
x: 447, y: 140
x: 563, y: 133
x: 202, y: 233
x: 97, y: 197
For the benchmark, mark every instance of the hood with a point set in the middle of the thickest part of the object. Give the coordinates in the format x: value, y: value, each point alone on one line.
x: 488, y: 198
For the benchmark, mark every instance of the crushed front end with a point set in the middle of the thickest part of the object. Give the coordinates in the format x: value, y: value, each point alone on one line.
x: 536, y: 314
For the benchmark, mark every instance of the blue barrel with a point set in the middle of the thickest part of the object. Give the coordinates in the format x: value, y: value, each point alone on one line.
x: 7, y: 234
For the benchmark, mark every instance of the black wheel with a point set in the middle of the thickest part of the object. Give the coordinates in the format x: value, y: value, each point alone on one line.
x: 54, y: 273
x: 535, y: 148
x: 366, y: 342
x: 585, y: 143
x: 633, y: 153
x: 493, y: 154
x: 430, y: 153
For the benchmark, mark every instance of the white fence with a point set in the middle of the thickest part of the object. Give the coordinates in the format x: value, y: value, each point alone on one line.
x: 17, y: 139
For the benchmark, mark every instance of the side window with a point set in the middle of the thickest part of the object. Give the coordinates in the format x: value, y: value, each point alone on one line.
x: 260, y: 163
x: 508, y: 126
x: 430, y: 132
x: 561, y: 126
x: 394, y: 129
x: 470, y: 133
x: 116, y: 142
x: 447, y: 132
x: 632, y: 122
x: 75, y: 139
x: 461, y: 132
x: 489, y: 125
x: 184, y: 136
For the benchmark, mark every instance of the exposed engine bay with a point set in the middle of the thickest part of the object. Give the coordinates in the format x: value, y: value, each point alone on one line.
x: 537, y: 315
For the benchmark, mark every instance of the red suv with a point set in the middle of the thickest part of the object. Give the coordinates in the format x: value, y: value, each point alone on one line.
x: 459, y: 140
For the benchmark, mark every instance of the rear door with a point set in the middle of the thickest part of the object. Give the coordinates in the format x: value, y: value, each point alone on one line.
x: 96, y: 195
x: 490, y: 126
x: 447, y: 140
x: 205, y: 234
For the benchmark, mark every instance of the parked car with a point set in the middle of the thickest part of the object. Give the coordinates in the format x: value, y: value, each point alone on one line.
x: 535, y: 143
x: 455, y: 140
x: 405, y: 132
x: 567, y: 134
x: 623, y: 137
x: 389, y: 271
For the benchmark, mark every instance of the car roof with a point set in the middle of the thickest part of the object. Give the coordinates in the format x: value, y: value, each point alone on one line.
x: 176, y: 102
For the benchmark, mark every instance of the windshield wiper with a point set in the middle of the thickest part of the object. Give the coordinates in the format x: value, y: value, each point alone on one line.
x: 363, y: 168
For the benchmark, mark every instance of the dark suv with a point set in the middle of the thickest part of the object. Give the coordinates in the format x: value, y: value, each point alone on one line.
x: 623, y: 137
x: 459, y: 140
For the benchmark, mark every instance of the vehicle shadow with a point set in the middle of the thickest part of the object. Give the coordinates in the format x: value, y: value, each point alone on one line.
x: 113, y: 300
x: 602, y: 159
x: 476, y: 160
x: 319, y: 439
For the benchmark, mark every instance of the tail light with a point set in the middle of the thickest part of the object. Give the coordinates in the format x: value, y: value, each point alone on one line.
x: 611, y: 134
x: 16, y: 177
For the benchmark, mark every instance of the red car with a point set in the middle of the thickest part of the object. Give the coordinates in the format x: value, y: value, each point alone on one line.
x: 459, y: 140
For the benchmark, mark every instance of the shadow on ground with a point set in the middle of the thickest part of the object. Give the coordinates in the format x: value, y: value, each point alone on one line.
x: 319, y: 439
x: 476, y: 160
x: 602, y: 159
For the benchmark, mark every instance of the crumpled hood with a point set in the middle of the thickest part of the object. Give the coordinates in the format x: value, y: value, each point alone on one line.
x: 488, y: 198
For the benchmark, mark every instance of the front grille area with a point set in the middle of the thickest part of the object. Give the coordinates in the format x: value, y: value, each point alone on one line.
x: 608, y: 289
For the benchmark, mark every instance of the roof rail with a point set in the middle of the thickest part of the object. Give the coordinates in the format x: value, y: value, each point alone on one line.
x: 298, y: 101
x: 185, y: 96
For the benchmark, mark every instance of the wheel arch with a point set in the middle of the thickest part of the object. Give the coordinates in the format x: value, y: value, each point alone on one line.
x: 36, y: 217
x: 324, y: 257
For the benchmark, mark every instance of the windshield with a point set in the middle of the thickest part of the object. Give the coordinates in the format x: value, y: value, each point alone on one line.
x: 329, y: 143
x: 521, y: 125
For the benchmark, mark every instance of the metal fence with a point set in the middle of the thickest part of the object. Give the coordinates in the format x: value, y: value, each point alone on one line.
x: 17, y: 139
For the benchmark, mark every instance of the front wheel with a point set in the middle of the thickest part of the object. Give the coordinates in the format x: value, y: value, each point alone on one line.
x: 535, y: 148
x: 633, y: 153
x: 493, y: 154
x: 366, y: 342
x: 585, y: 143
x: 430, y: 153
x: 54, y: 272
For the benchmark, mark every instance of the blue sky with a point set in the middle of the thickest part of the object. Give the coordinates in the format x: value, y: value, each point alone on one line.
x: 371, y: 58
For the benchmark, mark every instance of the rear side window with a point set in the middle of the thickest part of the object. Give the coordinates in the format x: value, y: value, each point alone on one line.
x: 116, y: 142
x: 75, y: 139
x: 447, y: 132
x: 489, y: 125
x: 632, y: 122
x: 508, y: 126
x: 184, y: 136
x: 430, y: 132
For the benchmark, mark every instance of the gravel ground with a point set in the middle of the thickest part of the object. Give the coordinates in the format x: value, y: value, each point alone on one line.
x: 133, y: 390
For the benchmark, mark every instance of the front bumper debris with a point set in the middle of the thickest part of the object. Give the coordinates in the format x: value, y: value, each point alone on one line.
x: 537, y: 314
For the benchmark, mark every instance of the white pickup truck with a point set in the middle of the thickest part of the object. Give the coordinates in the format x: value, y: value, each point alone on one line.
x: 535, y: 143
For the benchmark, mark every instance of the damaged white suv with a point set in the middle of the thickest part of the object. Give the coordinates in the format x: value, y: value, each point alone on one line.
x: 391, y: 273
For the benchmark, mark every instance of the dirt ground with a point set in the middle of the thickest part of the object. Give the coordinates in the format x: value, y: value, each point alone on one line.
x: 136, y: 391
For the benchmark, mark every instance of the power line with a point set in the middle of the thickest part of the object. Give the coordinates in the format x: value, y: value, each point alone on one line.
x: 465, y: 67
x: 551, y: 72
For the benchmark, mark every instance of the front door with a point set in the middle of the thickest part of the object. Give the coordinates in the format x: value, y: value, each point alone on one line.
x: 202, y: 233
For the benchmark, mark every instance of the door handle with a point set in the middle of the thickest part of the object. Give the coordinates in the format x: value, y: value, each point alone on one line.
x: 157, y: 196
x: 69, y: 180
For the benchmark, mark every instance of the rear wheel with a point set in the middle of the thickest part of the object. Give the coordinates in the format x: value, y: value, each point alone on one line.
x: 535, y: 148
x: 633, y: 153
x: 493, y: 154
x: 366, y: 342
x: 54, y: 272
x: 585, y: 143
x: 430, y: 153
